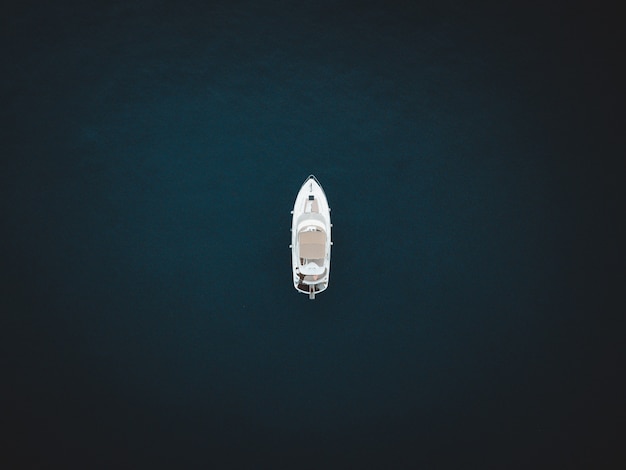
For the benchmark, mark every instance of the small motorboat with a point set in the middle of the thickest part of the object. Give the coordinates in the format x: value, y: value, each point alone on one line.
x: 310, y: 239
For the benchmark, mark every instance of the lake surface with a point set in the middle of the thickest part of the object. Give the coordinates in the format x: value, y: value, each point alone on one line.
x: 152, y: 154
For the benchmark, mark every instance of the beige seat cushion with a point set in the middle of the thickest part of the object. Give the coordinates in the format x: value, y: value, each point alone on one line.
x: 312, y: 244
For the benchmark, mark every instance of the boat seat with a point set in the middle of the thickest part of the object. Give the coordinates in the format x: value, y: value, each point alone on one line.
x: 312, y: 244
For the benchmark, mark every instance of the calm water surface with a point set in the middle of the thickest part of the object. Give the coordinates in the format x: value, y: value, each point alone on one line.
x: 152, y: 152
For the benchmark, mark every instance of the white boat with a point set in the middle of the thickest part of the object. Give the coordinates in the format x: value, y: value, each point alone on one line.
x: 310, y: 239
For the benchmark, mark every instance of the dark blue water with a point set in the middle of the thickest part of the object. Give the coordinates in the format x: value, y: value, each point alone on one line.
x: 151, y: 154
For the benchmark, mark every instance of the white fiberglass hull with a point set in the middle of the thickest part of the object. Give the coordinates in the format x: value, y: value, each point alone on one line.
x: 310, y: 239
